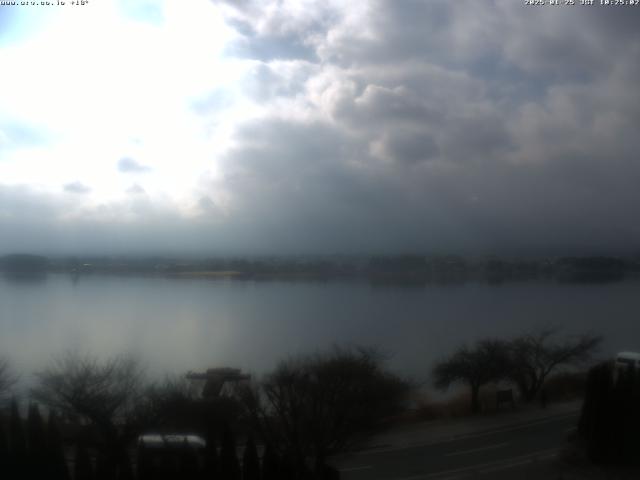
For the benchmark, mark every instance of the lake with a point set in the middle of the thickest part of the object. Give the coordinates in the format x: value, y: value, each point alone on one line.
x: 176, y: 325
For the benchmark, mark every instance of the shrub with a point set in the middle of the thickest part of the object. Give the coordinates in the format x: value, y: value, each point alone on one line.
x: 314, y: 406
x: 610, y: 420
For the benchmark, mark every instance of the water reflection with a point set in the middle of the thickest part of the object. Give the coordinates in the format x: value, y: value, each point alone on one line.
x: 25, y: 277
x: 188, y: 324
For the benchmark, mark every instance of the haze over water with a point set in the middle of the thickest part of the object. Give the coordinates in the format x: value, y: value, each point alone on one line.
x: 176, y: 325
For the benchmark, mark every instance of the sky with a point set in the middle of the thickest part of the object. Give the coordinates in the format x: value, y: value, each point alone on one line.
x: 319, y: 127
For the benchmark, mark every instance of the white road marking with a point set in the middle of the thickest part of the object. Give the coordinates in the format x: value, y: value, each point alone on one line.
x: 480, y: 449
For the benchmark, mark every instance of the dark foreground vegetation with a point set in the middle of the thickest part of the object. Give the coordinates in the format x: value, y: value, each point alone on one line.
x: 286, y: 425
x: 525, y: 361
x: 610, y: 421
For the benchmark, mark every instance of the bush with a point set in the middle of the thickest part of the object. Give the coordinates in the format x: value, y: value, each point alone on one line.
x: 83, y: 470
x: 250, y: 461
x: 211, y: 461
x: 270, y: 464
x: 314, y: 406
x: 4, y: 446
x: 229, y: 465
x: 18, y: 463
x: 56, y: 464
x: 566, y: 386
x: 37, y: 443
x: 487, y: 361
x: 610, y: 419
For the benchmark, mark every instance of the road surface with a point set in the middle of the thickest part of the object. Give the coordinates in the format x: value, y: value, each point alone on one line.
x: 485, y: 454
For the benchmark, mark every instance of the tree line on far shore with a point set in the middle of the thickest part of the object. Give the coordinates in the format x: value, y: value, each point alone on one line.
x: 406, y: 269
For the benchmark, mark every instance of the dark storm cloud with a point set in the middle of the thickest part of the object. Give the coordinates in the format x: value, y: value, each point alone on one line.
x: 414, y: 29
x: 410, y: 147
x: 76, y: 187
x: 314, y: 188
x: 129, y: 165
x: 392, y: 106
x: 476, y: 135
x: 394, y: 126
x: 473, y: 126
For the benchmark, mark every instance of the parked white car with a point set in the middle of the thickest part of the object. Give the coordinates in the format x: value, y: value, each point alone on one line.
x: 626, y: 359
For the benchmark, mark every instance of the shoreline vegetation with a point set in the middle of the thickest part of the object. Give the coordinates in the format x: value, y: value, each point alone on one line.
x: 409, y: 270
x: 304, y: 412
x: 308, y: 409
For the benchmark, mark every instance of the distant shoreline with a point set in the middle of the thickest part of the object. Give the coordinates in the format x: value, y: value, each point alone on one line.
x: 380, y: 270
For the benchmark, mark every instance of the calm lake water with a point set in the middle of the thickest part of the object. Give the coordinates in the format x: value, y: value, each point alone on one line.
x: 175, y: 325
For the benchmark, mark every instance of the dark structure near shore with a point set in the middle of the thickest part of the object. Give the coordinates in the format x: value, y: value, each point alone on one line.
x: 610, y: 420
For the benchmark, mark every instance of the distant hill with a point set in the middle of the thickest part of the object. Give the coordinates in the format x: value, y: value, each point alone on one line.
x: 23, y: 263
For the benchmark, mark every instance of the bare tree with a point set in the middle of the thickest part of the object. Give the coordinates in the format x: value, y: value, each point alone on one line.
x: 96, y: 391
x: 103, y: 394
x: 486, y: 361
x: 7, y: 379
x: 314, y: 406
x: 535, y: 355
x: 171, y: 403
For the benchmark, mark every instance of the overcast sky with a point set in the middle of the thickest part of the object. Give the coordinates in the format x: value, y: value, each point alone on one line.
x: 302, y: 126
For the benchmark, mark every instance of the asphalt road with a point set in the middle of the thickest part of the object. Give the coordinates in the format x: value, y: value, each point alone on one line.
x: 486, y: 454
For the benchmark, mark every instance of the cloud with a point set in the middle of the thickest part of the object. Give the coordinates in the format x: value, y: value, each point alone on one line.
x: 207, y: 206
x: 428, y: 127
x: 378, y: 126
x: 407, y: 147
x: 77, y: 188
x: 129, y: 165
x: 277, y: 79
x: 79, y: 226
x: 272, y: 47
x: 136, y: 189
x: 278, y: 30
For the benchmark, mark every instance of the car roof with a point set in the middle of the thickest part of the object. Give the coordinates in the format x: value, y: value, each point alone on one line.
x: 629, y: 355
